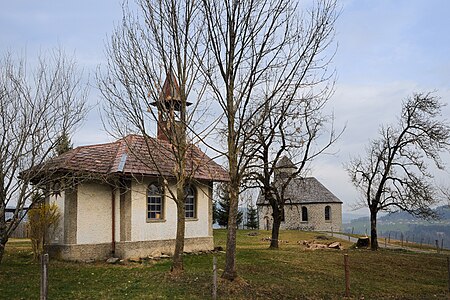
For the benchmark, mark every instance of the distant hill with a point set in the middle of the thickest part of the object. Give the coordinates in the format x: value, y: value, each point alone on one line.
x: 442, y: 211
x: 412, y: 228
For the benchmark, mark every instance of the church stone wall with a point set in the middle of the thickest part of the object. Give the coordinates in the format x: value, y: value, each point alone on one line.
x: 293, y: 217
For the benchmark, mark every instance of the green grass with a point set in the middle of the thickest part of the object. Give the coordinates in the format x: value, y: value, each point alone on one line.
x: 288, y: 273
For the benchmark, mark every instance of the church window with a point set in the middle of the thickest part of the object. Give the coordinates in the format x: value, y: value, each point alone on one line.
x: 327, y: 213
x: 154, y: 202
x: 190, y: 204
x: 304, y: 214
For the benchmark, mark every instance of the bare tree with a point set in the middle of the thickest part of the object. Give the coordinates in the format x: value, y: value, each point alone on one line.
x: 291, y: 122
x: 161, y: 40
x: 35, y: 108
x: 395, y: 174
x: 252, y: 45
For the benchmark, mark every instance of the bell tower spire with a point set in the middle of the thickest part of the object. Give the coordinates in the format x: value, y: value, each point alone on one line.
x: 169, y: 106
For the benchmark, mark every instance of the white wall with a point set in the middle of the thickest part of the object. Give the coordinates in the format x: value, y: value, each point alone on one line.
x: 57, y: 237
x: 93, y: 213
x: 142, y: 230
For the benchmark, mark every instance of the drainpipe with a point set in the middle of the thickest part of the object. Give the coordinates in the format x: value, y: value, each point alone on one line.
x: 113, y: 218
x: 120, y: 167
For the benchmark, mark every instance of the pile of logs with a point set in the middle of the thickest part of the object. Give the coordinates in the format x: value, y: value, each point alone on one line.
x: 312, y: 245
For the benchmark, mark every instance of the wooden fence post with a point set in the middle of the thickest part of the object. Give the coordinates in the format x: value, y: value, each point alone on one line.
x: 389, y: 236
x: 347, y: 276
x: 214, y: 291
x: 402, y: 238
x: 44, y: 276
x: 385, y: 243
x: 448, y: 271
x: 437, y: 246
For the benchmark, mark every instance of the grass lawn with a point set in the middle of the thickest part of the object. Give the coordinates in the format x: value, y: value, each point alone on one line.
x: 288, y: 273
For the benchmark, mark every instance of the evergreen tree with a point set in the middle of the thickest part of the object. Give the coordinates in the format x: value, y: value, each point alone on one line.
x: 222, y: 207
x: 252, y: 217
x: 63, y: 144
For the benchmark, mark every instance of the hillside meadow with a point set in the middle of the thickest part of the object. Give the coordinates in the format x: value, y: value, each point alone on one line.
x: 288, y: 273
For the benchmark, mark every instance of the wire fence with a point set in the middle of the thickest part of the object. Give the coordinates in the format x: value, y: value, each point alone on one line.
x: 409, y: 238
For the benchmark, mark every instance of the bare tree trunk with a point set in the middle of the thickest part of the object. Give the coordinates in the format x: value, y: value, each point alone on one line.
x: 373, y: 230
x: 3, y: 235
x: 3, y: 242
x: 230, y: 272
x: 177, y: 263
x: 275, y: 228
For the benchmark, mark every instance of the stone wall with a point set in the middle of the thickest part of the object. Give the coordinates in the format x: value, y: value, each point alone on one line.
x: 126, y: 250
x: 293, y: 214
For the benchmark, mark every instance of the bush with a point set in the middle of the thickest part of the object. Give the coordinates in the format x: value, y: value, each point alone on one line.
x: 42, y: 222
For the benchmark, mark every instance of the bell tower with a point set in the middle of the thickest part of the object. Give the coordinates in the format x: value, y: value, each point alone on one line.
x: 169, y: 107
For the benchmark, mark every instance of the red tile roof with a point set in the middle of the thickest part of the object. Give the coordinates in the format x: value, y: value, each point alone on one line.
x: 130, y: 156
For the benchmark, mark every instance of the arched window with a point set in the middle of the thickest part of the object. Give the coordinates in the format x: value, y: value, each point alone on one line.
x: 327, y: 213
x: 304, y: 214
x: 190, y: 204
x: 154, y: 202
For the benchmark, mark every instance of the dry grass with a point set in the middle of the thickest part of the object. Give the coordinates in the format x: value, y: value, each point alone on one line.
x: 287, y: 273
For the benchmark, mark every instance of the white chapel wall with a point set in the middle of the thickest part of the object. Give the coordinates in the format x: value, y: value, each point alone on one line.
x: 144, y: 230
x: 93, y: 213
x: 57, y: 236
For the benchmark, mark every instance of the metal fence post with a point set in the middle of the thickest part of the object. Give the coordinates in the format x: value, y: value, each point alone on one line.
x: 44, y: 276
x: 347, y: 276
x: 448, y: 270
x: 214, y: 291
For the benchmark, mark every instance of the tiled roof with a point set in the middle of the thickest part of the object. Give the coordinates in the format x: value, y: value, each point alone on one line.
x: 303, y: 191
x: 130, y: 156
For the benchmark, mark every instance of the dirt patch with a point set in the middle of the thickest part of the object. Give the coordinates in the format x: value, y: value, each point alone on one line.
x: 235, y: 287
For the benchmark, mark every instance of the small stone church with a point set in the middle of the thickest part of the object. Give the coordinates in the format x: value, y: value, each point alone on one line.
x: 309, y: 205
x: 119, y: 205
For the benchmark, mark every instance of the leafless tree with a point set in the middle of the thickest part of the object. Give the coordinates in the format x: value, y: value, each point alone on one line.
x: 395, y: 173
x: 252, y: 45
x: 35, y: 108
x: 291, y: 122
x: 302, y: 137
x: 160, y: 41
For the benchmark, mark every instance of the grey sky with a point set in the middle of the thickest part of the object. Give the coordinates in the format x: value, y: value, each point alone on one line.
x: 387, y: 50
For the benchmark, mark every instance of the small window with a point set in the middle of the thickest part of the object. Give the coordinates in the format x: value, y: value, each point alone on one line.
x: 327, y: 213
x: 304, y: 214
x: 190, y: 203
x: 154, y: 202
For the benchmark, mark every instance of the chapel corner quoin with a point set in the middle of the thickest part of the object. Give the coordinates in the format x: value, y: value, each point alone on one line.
x: 118, y: 205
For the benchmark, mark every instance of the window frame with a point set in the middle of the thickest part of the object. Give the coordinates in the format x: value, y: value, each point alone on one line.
x: 305, y: 213
x: 152, y: 195
x: 327, y: 213
x: 193, y: 211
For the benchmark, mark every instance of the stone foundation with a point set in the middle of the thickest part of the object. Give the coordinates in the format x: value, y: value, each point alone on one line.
x: 127, y: 249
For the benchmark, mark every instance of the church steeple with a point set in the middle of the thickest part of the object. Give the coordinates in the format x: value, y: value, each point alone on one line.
x: 169, y: 106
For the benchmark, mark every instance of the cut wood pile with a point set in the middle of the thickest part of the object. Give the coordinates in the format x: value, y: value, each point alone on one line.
x: 312, y: 245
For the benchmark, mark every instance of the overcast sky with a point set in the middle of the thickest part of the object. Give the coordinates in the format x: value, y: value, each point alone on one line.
x: 387, y: 50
